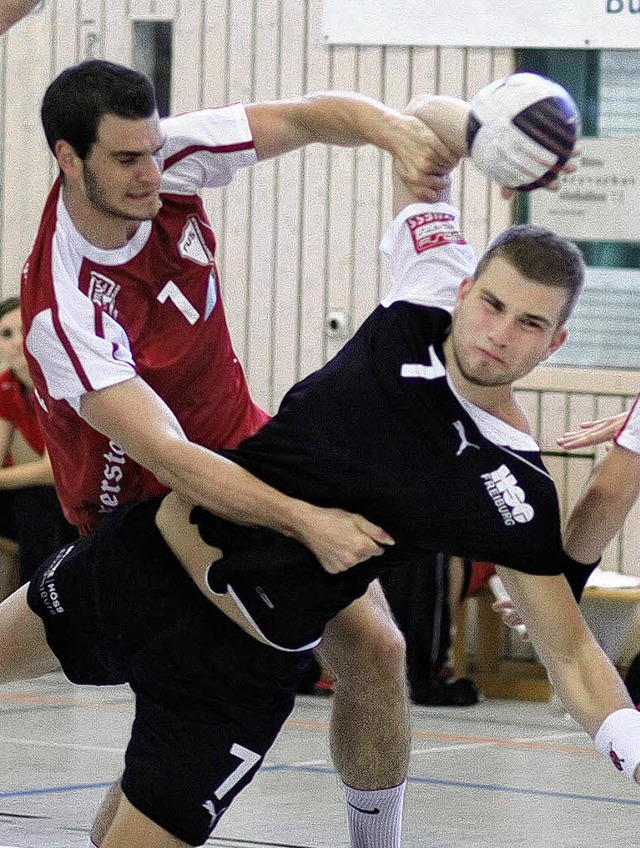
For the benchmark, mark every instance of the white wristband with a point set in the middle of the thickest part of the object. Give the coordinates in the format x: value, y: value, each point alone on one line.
x: 619, y: 739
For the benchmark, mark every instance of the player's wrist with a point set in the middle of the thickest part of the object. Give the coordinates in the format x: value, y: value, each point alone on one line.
x: 618, y: 738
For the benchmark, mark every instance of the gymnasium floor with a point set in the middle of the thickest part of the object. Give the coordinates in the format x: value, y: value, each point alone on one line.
x: 503, y: 773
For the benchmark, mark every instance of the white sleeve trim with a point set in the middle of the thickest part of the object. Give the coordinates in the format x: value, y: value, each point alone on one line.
x: 428, y: 256
x: 205, y: 149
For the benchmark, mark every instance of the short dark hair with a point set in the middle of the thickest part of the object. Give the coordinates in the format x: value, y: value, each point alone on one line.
x: 77, y: 99
x: 8, y: 305
x: 541, y: 256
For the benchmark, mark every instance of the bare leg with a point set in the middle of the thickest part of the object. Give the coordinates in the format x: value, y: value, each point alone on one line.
x: 9, y: 573
x: 131, y: 828
x: 370, y: 733
x: 106, y: 814
x: 24, y: 652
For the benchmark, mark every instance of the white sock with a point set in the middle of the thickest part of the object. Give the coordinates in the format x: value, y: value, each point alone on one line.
x: 91, y: 844
x: 375, y: 816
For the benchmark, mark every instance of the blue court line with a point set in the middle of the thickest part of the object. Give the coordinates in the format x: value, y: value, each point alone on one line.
x: 54, y: 789
x: 490, y: 787
x: 432, y: 781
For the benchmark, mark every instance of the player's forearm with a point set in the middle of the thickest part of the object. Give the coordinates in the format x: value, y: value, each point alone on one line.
x: 37, y: 473
x: 589, y: 686
x: 599, y: 514
x: 11, y: 11
x: 224, y: 487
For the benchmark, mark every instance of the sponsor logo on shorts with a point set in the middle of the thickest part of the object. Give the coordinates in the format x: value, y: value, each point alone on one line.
x: 507, y: 496
x: 264, y: 597
x: 112, y: 474
x: 215, y: 811
x: 103, y: 292
x: 48, y: 590
x: 433, y: 229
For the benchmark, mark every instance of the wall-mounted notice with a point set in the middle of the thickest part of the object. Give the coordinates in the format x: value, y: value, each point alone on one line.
x: 565, y: 24
x: 601, y: 200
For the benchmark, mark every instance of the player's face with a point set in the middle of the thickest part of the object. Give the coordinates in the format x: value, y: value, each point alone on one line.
x: 505, y: 324
x: 122, y: 171
x: 11, y: 349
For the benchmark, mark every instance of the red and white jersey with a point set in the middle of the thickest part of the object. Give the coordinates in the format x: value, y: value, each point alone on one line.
x: 94, y: 318
x: 628, y: 436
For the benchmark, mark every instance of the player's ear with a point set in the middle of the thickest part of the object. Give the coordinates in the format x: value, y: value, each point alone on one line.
x: 68, y: 160
x: 559, y: 338
x: 465, y: 287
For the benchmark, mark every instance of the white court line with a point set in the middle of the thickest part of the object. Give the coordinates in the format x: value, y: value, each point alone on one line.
x: 16, y: 740
x: 556, y: 737
x: 295, y: 764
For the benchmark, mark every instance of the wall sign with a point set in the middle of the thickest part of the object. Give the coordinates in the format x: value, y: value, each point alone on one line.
x: 601, y: 24
x: 601, y: 201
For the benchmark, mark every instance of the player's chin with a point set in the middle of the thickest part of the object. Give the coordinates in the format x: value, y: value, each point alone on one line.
x: 143, y: 209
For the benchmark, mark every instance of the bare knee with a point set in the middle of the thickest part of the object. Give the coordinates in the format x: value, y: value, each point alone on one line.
x: 364, y: 647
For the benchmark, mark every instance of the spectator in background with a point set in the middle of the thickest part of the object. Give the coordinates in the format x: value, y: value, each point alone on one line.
x: 30, y: 512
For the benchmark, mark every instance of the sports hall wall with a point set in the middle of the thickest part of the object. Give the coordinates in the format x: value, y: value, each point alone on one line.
x: 298, y: 238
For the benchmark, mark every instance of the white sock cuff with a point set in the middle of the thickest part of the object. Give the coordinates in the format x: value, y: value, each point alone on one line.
x: 387, y: 797
x: 619, y: 739
x: 375, y: 816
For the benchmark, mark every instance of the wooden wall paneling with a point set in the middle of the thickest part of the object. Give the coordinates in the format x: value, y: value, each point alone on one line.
x: 215, y: 88
x: 500, y: 211
x: 260, y: 318
x: 26, y: 166
x: 292, y: 44
x: 315, y: 220
x: 66, y: 26
x: 116, y: 35
x: 341, y: 187
x: 188, y: 72
x: 234, y: 244
x: 3, y: 172
x: 423, y: 71
x: 215, y: 58
x: 369, y: 166
x: 451, y: 81
x: 396, y: 92
x: 579, y: 408
x: 475, y: 213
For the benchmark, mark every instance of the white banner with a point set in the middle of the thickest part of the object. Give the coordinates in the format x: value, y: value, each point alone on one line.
x: 485, y: 23
x: 601, y: 201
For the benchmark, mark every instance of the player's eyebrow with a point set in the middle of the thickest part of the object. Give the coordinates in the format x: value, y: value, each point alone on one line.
x: 528, y: 316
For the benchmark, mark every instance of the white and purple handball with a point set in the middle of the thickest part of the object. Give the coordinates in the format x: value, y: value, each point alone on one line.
x: 521, y: 130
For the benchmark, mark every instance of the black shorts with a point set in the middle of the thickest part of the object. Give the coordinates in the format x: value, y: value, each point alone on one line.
x: 210, y: 700
x: 278, y: 582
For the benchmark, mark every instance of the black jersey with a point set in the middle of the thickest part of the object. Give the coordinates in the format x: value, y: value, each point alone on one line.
x: 381, y: 431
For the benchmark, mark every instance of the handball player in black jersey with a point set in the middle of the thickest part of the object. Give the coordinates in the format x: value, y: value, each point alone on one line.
x: 413, y: 425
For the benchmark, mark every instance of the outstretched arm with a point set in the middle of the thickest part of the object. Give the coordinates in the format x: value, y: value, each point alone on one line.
x: 445, y: 121
x: 612, y: 490
x: 11, y: 11
x: 349, y: 120
x: 588, y: 684
x: 134, y: 416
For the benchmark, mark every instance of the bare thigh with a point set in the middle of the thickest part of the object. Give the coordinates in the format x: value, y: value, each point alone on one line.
x: 24, y: 652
